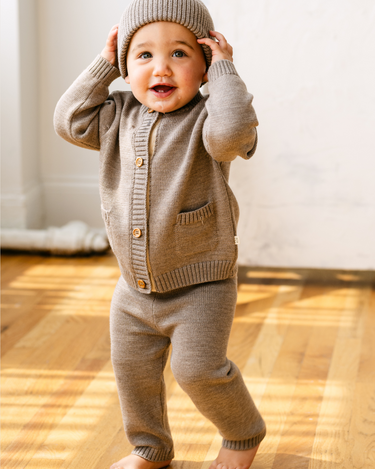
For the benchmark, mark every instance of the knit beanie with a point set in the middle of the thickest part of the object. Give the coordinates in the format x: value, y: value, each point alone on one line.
x: 192, y: 14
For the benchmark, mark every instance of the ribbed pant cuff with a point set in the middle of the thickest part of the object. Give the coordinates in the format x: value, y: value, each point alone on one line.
x: 243, y: 445
x: 153, y: 454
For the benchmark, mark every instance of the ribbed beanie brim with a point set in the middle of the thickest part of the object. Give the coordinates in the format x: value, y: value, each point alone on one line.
x: 192, y: 14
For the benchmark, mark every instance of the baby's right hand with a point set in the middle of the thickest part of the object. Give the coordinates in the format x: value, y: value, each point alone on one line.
x: 110, y: 50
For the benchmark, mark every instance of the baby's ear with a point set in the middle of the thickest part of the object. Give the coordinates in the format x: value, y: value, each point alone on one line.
x: 127, y: 80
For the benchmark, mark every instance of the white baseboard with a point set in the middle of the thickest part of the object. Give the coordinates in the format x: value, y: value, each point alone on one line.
x: 23, y: 210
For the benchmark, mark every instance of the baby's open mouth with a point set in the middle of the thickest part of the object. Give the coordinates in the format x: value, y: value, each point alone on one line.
x: 162, y: 88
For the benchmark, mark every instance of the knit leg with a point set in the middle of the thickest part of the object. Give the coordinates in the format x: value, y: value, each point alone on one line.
x: 200, y: 365
x: 139, y: 353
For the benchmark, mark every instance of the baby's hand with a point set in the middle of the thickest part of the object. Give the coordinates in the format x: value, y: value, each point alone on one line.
x: 110, y: 50
x: 221, y: 50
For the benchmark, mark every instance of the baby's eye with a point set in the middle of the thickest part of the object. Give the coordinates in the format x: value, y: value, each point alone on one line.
x: 179, y: 53
x: 145, y: 55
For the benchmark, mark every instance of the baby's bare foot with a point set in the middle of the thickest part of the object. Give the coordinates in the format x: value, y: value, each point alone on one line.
x: 133, y: 461
x: 231, y: 459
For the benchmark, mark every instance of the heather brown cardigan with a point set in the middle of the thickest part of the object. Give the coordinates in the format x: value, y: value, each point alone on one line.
x: 189, y: 231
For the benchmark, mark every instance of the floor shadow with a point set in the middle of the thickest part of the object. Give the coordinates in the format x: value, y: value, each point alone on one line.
x: 330, y: 277
x: 313, y: 280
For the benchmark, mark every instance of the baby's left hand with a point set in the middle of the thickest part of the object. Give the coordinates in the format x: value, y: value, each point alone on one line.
x: 221, y: 50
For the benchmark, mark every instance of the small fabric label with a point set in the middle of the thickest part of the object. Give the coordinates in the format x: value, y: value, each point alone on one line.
x: 236, y: 240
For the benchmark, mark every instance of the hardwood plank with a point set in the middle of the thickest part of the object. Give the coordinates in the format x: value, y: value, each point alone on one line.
x: 297, y: 437
x: 189, y: 456
x: 331, y: 448
x: 14, y: 265
x: 118, y: 447
x: 360, y: 438
x: 35, y: 431
x: 60, y: 341
x: 361, y: 431
x: 16, y: 318
x: 44, y: 463
x: 94, y: 418
x: 265, y: 351
x: 56, y: 353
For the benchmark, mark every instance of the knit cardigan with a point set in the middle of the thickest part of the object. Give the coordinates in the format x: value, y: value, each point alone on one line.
x: 175, y: 211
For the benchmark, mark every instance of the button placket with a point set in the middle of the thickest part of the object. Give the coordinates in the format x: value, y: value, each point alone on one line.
x: 139, y: 205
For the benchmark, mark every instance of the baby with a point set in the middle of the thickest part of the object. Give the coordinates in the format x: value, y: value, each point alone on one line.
x: 171, y: 218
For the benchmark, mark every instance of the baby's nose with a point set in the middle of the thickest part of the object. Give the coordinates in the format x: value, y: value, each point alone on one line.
x: 162, y: 69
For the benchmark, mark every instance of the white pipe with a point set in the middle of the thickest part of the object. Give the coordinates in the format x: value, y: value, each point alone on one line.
x: 72, y: 238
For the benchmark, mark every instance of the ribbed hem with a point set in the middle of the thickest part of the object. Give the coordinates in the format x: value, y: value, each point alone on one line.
x: 153, y: 454
x: 243, y: 445
x: 103, y: 70
x: 220, y: 68
x: 192, y: 274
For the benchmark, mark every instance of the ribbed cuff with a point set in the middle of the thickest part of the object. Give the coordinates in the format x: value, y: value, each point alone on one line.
x: 243, y: 445
x: 252, y: 151
x: 103, y: 70
x: 220, y: 68
x: 153, y: 454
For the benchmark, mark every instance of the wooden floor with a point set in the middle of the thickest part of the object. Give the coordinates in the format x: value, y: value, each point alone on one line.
x: 304, y: 340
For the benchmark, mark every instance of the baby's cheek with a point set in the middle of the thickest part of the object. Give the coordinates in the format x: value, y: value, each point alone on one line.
x: 192, y: 81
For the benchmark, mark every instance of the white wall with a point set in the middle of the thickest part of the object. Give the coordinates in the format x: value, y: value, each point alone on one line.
x: 71, y: 34
x: 21, y: 191
x: 307, y: 198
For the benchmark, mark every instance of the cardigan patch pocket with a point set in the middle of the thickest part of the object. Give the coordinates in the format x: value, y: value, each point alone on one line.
x: 196, y: 231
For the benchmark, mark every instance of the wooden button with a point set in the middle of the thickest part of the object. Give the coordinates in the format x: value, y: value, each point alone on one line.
x: 137, y: 233
x: 139, y: 162
x: 141, y: 284
x: 150, y: 111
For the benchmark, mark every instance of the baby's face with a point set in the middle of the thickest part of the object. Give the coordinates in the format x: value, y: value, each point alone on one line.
x: 165, y: 66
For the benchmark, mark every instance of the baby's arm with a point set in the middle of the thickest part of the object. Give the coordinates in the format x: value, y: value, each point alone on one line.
x: 230, y: 127
x: 86, y: 111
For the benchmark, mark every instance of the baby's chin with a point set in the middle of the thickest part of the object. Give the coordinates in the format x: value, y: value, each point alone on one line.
x: 164, y: 107
x: 170, y: 104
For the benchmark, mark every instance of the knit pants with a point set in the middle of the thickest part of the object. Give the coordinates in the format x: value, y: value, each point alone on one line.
x: 197, y: 321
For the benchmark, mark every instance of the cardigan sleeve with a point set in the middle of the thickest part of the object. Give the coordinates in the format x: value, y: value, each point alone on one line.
x: 86, y: 109
x: 230, y: 127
